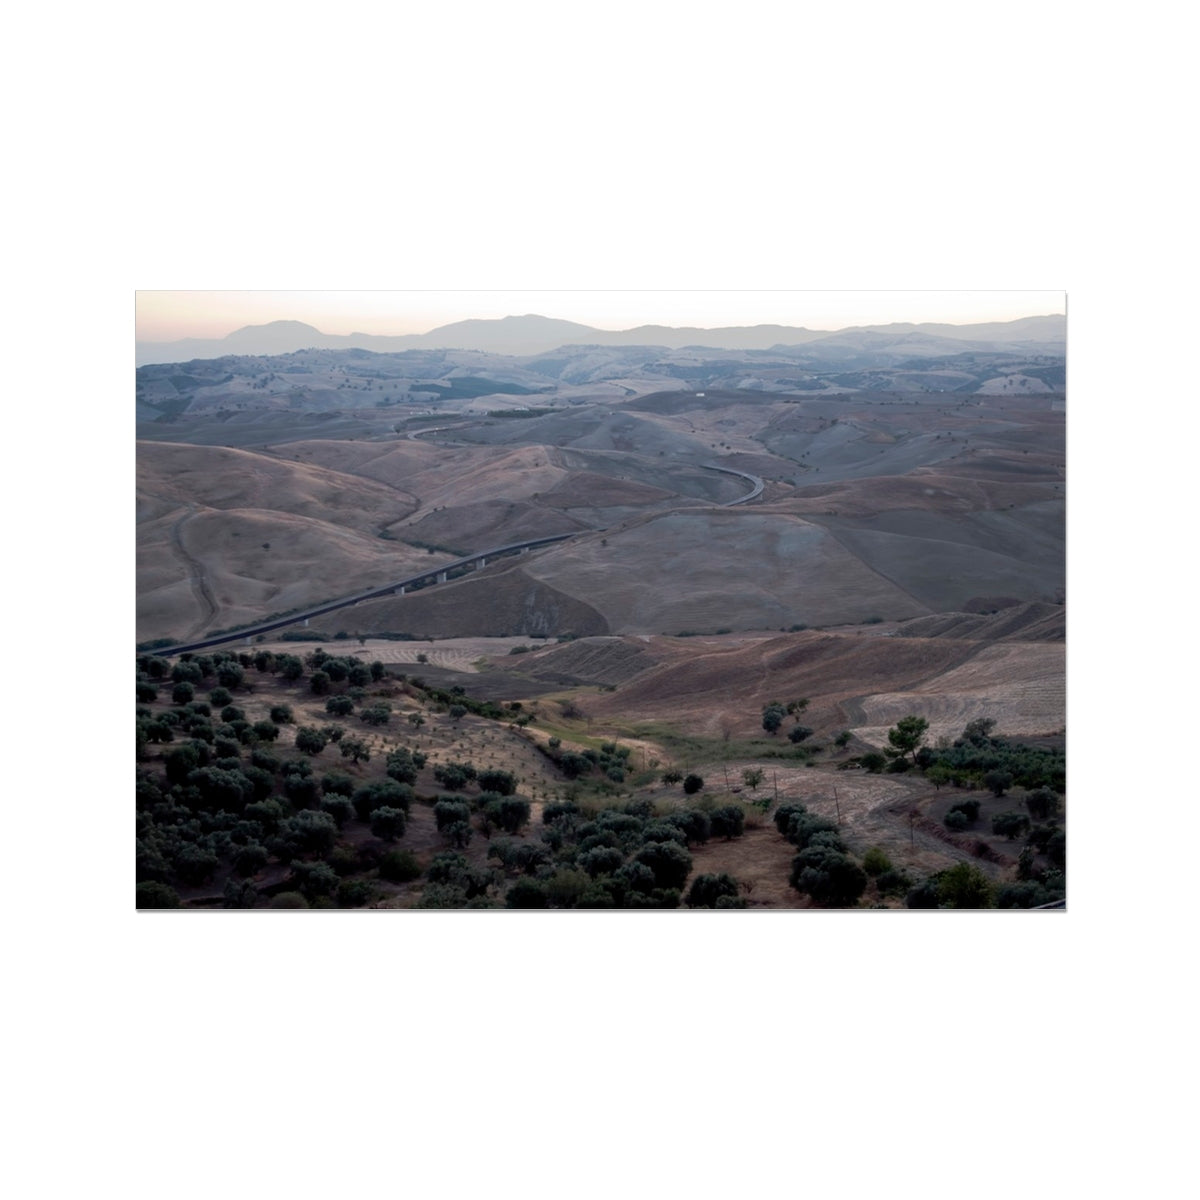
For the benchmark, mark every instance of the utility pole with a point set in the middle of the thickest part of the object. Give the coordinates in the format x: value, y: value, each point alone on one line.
x: 837, y: 806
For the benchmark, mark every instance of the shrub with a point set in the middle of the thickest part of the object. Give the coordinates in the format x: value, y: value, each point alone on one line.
x: 281, y: 714
x: 706, y: 890
x: 344, y: 860
x: 403, y: 764
x: 508, y: 812
x: 454, y: 776
x: 784, y: 814
x: 573, y: 765
x: 876, y: 862
x: 998, y: 782
x: 230, y: 675
x: 602, y: 860
x: 664, y: 831
x: 772, y: 717
x: 695, y: 824
x: 156, y: 895
x: 804, y: 827
x: 893, y: 883
x: 502, y: 782
x: 355, y: 749
x: 316, y: 879
x: 187, y: 672
x: 692, y: 784
x: 239, y: 894
x: 445, y: 868
x: 195, y: 865
x: 553, y: 813
x: 1042, y: 803
x: 310, y: 740
x: 338, y: 807
x: 566, y: 887
x: 337, y: 784
x: 289, y: 900
x: 728, y: 821
x: 1056, y: 848
x: 376, y: 714
x: 382, y: 793
x: 964, y: 886
x: 399, y: 866
x: 956, y: 820
x: 308, y: 832
x: 302, y: 791
x: 250, y: 859
x: 1026, y: 894
x: 353, y: 893
x: 339, y: 706
x: 924, y: 895
x: 527, y: 893
x: 831, y: 878
x: 670, y: 863
x: 1010, y: 824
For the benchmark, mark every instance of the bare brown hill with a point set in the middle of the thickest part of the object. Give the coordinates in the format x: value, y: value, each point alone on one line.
x: 857, y: 680
x: 218, y: 477
x: 227, y: 536
x: 1021, y: 622
x: 586, y: 489
x: 707, y: 569
x: 473, y: 526
x: 925, y: 490
x: 596, y: 660
x: 500, y: 601
x: 216, y: 569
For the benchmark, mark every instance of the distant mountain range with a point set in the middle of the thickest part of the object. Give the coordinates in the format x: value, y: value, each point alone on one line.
x: 532, y: 335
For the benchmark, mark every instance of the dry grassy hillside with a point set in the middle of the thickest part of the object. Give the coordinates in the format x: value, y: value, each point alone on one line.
x: 707, y: 569
x: 858, y: 679
x: 216, y: 477
x: 500, y: 601
x: 225, y: 536
x: 875, y: 506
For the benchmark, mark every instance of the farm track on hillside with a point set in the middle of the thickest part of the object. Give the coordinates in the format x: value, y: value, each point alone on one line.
x: 196, y: 576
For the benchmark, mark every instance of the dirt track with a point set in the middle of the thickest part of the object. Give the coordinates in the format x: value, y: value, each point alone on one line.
x: 196, y: 576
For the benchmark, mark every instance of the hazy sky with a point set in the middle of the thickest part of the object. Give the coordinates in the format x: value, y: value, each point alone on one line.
x: 166, y: 315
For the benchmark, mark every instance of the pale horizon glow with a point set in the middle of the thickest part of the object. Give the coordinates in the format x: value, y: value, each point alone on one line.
x: 167, y: 316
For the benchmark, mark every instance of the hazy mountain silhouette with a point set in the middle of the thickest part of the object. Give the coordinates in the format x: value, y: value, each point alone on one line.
x: 533, y: 334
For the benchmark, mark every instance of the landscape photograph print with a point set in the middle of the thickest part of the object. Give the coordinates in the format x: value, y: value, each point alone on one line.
x: 601, y: 600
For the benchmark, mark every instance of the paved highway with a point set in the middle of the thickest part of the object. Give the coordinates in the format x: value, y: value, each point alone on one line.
x: 388, y: 589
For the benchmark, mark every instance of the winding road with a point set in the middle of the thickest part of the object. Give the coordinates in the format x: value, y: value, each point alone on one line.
x: 436, y: 574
